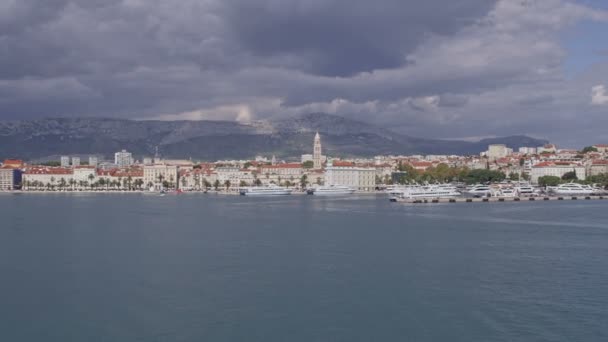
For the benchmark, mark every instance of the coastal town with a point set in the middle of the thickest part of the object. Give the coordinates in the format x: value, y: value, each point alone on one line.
x: 545, y: 165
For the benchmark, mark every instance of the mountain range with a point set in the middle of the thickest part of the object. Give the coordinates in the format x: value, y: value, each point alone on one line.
x: 213, y: 140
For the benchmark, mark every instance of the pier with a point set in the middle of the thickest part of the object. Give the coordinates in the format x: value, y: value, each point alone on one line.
x: 498, y: 199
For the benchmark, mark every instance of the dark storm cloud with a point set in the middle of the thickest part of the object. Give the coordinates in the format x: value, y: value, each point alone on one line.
x: 427, y: 62
x: 345, y: 37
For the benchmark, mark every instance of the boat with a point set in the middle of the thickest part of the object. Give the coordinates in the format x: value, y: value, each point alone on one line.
x: 427, y: 192
x: 505, y: 193
x: 270, y: 190
x: 480, y: 190
x: 331, y: 190
x: 526, y: 190
x: 573, y: 189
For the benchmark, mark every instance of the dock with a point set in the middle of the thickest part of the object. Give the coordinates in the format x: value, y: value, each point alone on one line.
x: 498, y: 199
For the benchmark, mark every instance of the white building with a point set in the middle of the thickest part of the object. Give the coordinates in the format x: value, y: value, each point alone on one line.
x: 7, y: 178
x: 93, y: 161
x: 123, y: 158
x: 557, y: 169
x: 75, y: 161
x: 65, y: 161
x: 497, y: 151
x: 348, y: 174
x: 84, y: 174
x: 156, y: 175
x: 527, y: 150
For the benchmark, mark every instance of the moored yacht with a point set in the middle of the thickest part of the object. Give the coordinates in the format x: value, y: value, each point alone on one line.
x: 573, y: 189
x: 270, y: 190
x: 480, y: 190
x: 331, y: 190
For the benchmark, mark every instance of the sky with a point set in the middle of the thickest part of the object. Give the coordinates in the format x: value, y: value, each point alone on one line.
x: 433, y: 68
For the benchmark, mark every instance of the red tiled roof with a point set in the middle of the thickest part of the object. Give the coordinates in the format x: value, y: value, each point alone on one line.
x: 284, y: 166
x: 49, y: 171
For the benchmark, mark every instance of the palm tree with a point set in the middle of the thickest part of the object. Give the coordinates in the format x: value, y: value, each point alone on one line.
x: 304, y: 181
x: 102, y: 182
x: 216, y: 184
x: 129, y: 180
x: 91, y: 177
x: 227, y: 184
x: 62, y: 183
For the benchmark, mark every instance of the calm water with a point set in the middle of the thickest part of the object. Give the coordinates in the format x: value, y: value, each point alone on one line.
x: 213, y: 268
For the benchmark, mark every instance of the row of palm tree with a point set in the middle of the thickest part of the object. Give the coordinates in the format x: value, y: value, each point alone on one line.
x: 101, y: 183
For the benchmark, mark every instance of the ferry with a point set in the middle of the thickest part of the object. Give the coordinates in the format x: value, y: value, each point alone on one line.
x: 573, y: 189
x: 270, y: 190
x: 427, y: 191
x: 331, y: 190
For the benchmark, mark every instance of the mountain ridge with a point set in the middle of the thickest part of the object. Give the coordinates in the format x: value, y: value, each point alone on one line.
x: 211, y: 140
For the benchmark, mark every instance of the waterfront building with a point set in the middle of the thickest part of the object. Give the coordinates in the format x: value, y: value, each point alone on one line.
x: 349, y: 174
x: 283, y: 170
x: 84, y: 174
x: 75, y: 161
x: 65, y: 161
x: 46, y: 177
x: 93, y: 161
x: 10, y: 178
x: 317, y: 152
x: 123, y: 158
x: 557, y: 169
x: 155, y: 175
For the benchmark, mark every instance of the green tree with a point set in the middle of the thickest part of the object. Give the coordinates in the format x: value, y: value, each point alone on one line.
x: 304, y: 181
x: 217, y: 184
x: 514, y: 176
x: 570, y: 176
x: 227, y: 184
x: 309, y: 164
x: 257, y: 182
x: 243, y: 184
x: 549, y: 181
x: 589, y: 149
x: 484, y: 176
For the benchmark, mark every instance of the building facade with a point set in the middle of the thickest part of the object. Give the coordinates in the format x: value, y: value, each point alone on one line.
x: 158, y: 175
x: 123, y: 158
x: 348, y: 174
x: 557, y: 169
x: 9, y: 178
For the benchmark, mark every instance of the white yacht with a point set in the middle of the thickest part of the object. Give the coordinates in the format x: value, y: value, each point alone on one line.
x: 270, y: 190
x: 480, y: 190
x: 331, y: 190
x: 526, y: 190
x: 427, y: 191
x: 573, y: 189
x: 505, y: 193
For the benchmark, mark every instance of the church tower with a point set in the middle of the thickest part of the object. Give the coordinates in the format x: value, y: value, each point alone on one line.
x: 316, y: 156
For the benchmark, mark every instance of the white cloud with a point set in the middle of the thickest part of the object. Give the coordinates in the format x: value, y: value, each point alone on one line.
x: 599, y: 95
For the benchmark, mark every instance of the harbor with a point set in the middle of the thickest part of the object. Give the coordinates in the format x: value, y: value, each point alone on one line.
x: 497, y: 199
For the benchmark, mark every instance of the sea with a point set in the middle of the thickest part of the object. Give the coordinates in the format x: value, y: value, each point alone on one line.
x: 195, y: 267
